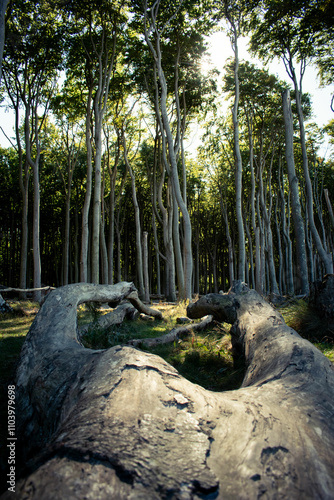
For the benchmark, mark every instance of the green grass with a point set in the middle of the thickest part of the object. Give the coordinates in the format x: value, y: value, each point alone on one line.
x: 305, y: 320
x: 204, y: 358
x: 13, y: 330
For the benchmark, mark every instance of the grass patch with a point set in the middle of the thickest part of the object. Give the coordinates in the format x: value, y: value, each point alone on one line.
x: 13, y: 330
x: 303, y: 318
x: 205, y: 358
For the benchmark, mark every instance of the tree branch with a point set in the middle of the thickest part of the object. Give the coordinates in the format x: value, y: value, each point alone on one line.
x: 174, y: 334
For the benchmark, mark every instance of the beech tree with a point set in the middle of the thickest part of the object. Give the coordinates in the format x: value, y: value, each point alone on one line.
x: 284, y: 35
x: 120, y: 53
x: 234, y: 15
x: 98, y: 29
x: 32, y: 56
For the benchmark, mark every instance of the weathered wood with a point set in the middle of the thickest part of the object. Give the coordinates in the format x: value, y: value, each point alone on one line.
x: 115, y: 317
x: 10, y: 289
x: 123, y: 424
x: 174, y: 334
x: 4, y: 307
x: 220, y: 306
x: 138, y: 304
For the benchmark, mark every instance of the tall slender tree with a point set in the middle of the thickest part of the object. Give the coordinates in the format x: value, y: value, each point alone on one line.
x: 234, y: 14
x: 32, y: 57
x: 282, y: 32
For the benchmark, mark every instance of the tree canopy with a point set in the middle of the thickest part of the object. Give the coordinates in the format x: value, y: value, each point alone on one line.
x: 106, y: 96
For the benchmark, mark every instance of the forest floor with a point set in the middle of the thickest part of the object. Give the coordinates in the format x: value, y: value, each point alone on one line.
x: 204, y: 358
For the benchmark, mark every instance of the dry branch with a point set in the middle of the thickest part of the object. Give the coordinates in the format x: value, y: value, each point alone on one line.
x: 174, y: 334
x: 27, y: 289
x: 115, y: 317
x: 135, y: 301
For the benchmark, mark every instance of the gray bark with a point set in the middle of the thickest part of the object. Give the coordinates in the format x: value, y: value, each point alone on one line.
x: 295, y: 201
x: 172, y: 153
x: 112, y: 318
x: 139, y: 263
x: 175, y: 334
x: 319, y: 244
x: 329, y: 207
x: 106, y: 58
x: 120, y: 423
x: 237, y: 152
x: 145, y: 267
x: 88, y: 194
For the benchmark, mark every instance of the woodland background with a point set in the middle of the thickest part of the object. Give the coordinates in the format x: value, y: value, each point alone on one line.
x: 97, y: 186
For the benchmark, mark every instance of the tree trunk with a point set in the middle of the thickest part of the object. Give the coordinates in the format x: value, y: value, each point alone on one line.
x: 120, y: 423
x: 34, y: 163
x: 267, y: 225
x: 96, y: 216
x: 88, y: 194
x: 238, y: 159
x: 329, y: 207
x: 139, y: 263
x: 285, y: 212
x: 4, y: 307
x: 145, y: 267
x: 295, y: 201
x: 177, y: 247
x: 165, y: 125
x: 326, y: 258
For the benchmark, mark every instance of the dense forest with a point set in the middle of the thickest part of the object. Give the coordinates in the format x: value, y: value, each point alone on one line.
x: 97, y: 186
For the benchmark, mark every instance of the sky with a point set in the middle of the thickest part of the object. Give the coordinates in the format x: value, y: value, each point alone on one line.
x: 219, y: 50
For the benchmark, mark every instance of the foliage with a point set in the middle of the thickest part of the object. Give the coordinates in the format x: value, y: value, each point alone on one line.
x: 72, y: 39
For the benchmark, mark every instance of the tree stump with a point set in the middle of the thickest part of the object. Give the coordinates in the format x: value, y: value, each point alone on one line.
x: 123, y: 424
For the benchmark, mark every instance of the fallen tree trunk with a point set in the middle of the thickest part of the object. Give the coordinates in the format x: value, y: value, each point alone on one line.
x: 123, y: 424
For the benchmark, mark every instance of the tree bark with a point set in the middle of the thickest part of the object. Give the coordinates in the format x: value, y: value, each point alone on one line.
x: 329, y: 207
x: 115, y: 317
x: 139, y: 253
x: 145, y: 268
x: 165, y: 125
x: 120, y: 423
x: 295, y: 201
x: 175, y: 334
x: 237, y: 152
x: 326, y: 258
x: 88, y: 194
